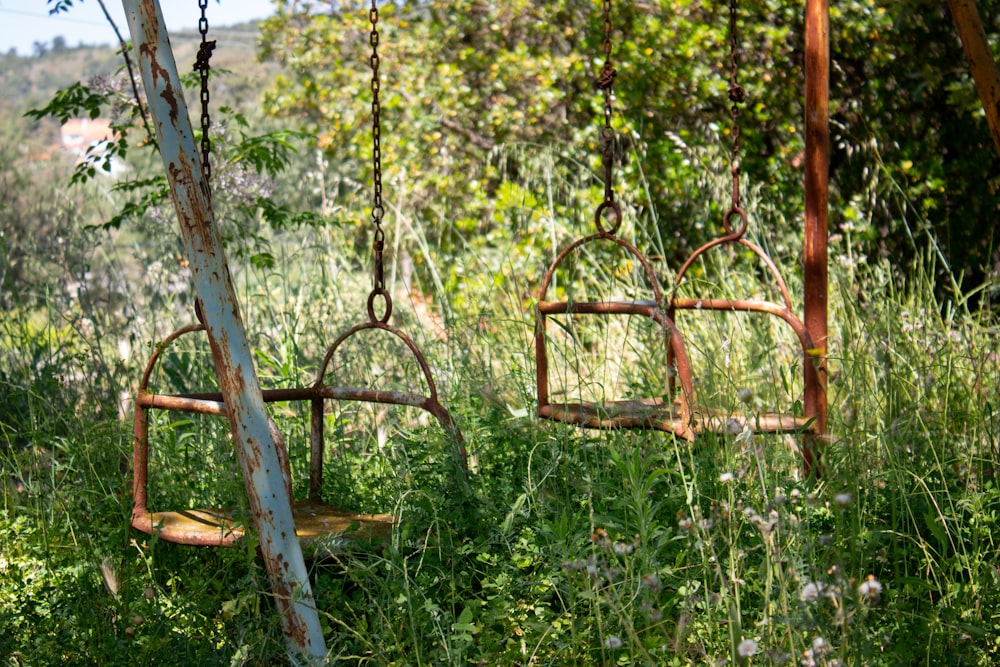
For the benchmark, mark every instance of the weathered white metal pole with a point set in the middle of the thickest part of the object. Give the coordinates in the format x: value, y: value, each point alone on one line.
x: 263, y: 473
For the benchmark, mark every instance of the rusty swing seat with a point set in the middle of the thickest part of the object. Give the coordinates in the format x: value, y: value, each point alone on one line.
x: 314, y: 518
x: 668, y: 410
x: 680, y: 415
x: 720, y: 421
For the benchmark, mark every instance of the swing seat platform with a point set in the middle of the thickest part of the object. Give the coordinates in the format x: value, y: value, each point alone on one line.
x: 655, y: 414
x: 313, y: 520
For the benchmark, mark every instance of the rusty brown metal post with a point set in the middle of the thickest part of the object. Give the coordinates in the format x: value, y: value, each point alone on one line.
x: 817, y: 165
x: 981, y: 63
x: 263, y: 469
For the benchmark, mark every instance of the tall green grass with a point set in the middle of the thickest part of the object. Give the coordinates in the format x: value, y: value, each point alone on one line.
x: 565, y: 546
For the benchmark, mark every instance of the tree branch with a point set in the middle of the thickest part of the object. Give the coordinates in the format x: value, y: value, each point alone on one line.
x: 131, y: 72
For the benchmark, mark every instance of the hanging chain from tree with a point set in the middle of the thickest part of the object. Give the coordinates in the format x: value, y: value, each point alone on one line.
x: 378, y: 211
x: 737, y: 95
x: 201, y: 65
x: 605, y: 83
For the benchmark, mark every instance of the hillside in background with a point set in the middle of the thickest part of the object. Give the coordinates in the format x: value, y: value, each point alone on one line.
x: 31, y: 81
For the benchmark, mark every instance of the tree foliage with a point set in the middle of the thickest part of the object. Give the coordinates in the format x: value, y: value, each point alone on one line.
x: 465, y: 82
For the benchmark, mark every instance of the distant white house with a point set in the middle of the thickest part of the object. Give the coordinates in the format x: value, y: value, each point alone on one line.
x: 81, y: 134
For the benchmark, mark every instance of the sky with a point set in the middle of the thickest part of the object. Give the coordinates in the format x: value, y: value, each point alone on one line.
x: 24, y: 22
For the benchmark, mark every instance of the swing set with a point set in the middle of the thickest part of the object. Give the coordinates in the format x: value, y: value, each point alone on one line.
x: 279, y: 520
x: 671, y: 408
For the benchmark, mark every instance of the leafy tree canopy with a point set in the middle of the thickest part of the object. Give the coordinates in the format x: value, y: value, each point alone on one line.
x: 472, y: 91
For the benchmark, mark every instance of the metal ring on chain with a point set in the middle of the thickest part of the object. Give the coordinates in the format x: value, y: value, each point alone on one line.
x: 727, y: 221
x: 611, y: 212
x: 379, y: 291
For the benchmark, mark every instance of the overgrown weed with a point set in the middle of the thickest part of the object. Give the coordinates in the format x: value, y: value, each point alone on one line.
x: 564, y: 546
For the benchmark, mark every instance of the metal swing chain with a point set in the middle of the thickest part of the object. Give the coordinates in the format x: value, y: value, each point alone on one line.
x: 202, y: 66
x: 378, y: 211
x: 737, y: 95
x: 605, y: 82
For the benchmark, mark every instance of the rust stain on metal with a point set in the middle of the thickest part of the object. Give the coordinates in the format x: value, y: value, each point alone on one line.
x: 234, y: 365
x: 671, y: 414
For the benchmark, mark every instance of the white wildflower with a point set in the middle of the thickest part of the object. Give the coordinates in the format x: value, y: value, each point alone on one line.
x: 651, y: 581
x: 842, y: 499
x: 747, y: 648
x: 622, y: 549
x: 745, y: 395
x: 811, y: 591
x: 870, y: 589
x: 613, y: 642
x: 726, y: 477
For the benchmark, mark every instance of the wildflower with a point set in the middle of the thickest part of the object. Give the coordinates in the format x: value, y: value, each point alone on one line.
x: 651, y: 581
x: 622, y: 549
x: 747, y: 648
x: 811, y: 591
x: 685, y: 523
x: 726, y: 477
x: 819, y: 649
x: 870, y: 589
x: 733, y: 426
x: 767, y: 527
x: 745, y: 395
x: 655, y: 615
x: 842, y: 499
x: 592, y: 568
x: 613, y: 642
x: 705, y: 524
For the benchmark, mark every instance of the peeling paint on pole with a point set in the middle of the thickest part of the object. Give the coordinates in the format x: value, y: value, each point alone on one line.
x: 263, y: 472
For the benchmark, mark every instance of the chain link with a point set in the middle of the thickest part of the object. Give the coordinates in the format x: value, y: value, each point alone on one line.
x: 202, y: 66
x: 605, y: 83
x: 378, y: 210
x: 737, y: 95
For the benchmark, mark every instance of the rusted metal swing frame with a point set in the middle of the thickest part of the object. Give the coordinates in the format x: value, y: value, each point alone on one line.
x: 660, y: 412
x: 314, y: 518
x: 253, y: 437
x: 674, y: 410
